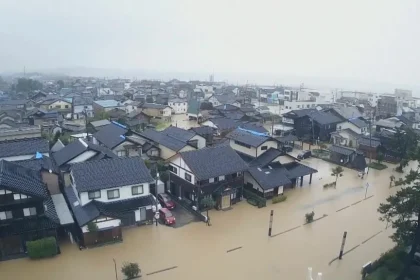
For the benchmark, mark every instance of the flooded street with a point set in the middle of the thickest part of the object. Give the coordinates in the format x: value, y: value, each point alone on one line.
x: 237, y: 245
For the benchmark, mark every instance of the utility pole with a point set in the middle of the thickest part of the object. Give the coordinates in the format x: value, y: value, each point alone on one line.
x: 271, y: 223
x: 115, y: 268
x: 370, y: 138
x: 340, y: 256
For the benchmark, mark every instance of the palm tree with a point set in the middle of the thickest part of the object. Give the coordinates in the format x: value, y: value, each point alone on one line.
x: 337, y: 172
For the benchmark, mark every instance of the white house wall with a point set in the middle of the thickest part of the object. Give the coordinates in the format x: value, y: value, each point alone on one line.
x: 132, y: 152
x: 83, y: 157
x: 269, y: 144
x: 22, y: 157
x: 248, y: 151
x: 349, y: 125
x: 201, y: 143
x: 125, y: 193
x: 179, y: 107
x: 182, y: 168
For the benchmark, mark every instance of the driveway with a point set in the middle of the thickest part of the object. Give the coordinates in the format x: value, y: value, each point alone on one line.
x: 182, y: 216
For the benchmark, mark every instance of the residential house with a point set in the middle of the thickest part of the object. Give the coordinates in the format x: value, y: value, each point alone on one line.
x: 250, y: 144
x: 222, y: 125
x: 345, y: 113
x: 215, y: 172
x: 137, y: 120
x: 273, y: 172
x: 358, y: 126
x: 179, y: 106
x: 16, y: 104
x: 345, y: 137
x: 387, y: 107
x: 217, y: 100
x: 187, y: 136
x: 206, y: 132
x: 263, y: 110
x: 311, y: 124
x: 389, y: 123
x: 20, y: 132
x: 56, y: 104
x: 107, y: 105
x: 78, y: 151
x: 27, y: 211
x: 347, y: 157
x: 110, y: 193
x: 369, y: 146
x: 44, y: 118
x: 131, y: 106
x: 20, y: 149
x: 97, y: 125
x: 82, y: 107
x: 193, y: 110
x: 158, y: 111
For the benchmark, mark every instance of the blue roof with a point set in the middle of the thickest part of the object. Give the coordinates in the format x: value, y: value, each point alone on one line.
x: 107, y: 103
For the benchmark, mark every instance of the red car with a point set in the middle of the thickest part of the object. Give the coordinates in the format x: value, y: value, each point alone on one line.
x: 166, y: 201
x: 166, y: 216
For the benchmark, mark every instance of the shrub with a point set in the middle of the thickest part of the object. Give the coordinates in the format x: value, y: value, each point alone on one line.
x: 309, y: 217
x: 278, y: 199
x: 42, y: 248
x: 330, y: 185
x: 249, y: 195
x: 92, y: 227
x: 131, y: 270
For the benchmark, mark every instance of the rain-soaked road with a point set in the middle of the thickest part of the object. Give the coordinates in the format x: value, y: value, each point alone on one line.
x: 236, y: 246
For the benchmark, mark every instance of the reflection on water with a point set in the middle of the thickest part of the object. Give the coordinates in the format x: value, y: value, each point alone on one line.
x: 200, y: 252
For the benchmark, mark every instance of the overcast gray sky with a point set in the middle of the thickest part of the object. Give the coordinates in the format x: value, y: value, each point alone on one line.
x: 376, y: 41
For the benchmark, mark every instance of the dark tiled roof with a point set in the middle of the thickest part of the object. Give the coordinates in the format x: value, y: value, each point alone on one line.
x: 82, y: 214
x: 26, y: 225
x: 226, y: 107
x: 44, y: 163
x: 348, y: 112
x: 287, y: 138
x: 347, y: 130
x: 366, y: 141
x: 296, y: 170
x: 318, y: 116
x: 224, y: 123
x: 265, y: 158
x: 100, y: 123
x: 23, y: 147
x: 247, y: 137
x: 21, y: 180
x: 212, y: 162
x: 111, y: 135
x: 108, y: 173
x: 163, y: 139
x: 235, y: 115
x: 179, y: 133
x: 203, y: 130
x: 341, y: 150
x: 69, y: 152
x: 154, y: 106
x: 270, y: 178
x: 358, y: 122
x: 118, y: 207
x: 254, y: 127
x: 82, y: 100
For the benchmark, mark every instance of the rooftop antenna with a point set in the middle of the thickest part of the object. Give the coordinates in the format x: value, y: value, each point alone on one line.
x: 24, y: 71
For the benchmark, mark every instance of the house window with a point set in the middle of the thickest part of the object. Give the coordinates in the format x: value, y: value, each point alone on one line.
x: 6, y: 215
x: 187, y: 177
x: 142, y: 213
x: 173, y: 169
x: 113, y: 194
x: 66, y: 106
x: 95, y: 194
x: 216, y: 179
x: 136, y: 190
x: 242, y: 144
x: 122, y: 153
x: 211, y: 180
x: 221, y: 178
x: 29, y: 211
x: 263, y: 148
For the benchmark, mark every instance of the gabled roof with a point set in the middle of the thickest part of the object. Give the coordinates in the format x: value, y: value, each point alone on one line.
x: 341, y: 150
x: 154, y: 106
x: 203, y: 130
x: 270, y: 178
x: 179, y: 133
x: 111, y: 135
x: 38, y: 164
x: 358, y: 122
x: 297, y: 169
x: 20, y: 147
x: 226, y: 107
x: 108, y: 103
x: 23, y: 180
x: 347, y: 112
x: 366, y: 141
x: 248, y: 137
x: 224, y: 123
x: 164, y: 139
x: 109, y: 173
x: 83, y: 214
x: 213, y: 162
x: 266, y: 158
x: 254, y: 127
x: 76, y: 148
x: 82, y: 100
x: 100, y: 123
x: 320, y: 117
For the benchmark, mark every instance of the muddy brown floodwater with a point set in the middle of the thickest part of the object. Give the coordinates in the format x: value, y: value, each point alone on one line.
x: 197, y: 251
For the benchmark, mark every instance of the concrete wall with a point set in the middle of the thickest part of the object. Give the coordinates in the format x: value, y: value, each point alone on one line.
x: 179, y: 107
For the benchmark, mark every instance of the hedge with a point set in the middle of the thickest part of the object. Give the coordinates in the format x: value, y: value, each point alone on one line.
x: 278, y: 199
x: 255, y: 199
x: 42, y: 248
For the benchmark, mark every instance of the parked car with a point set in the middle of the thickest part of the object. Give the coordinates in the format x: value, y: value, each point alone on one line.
x: 166, y: 201
x: 166, y: 216
x: 304, y: 154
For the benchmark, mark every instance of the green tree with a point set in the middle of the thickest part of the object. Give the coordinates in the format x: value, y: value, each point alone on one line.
x: 403, y: 143
x: 402, y: 210
x: 26, y: 85
x: 380, y: 158
x: 164, y: 176
x: 337, y: 172
x: 92, y: 227
x: 208, y: 203
x: 60, y: 84
x: 131, y: 270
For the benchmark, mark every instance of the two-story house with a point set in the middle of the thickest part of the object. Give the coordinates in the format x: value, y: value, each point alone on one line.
x: 216, y: 172
x: 109, y: 193
x: 27, y: 212
x: 179, y: 106
x: 20, y: 149
x: 155, y: 110
x: 56, y: 104
x: 82, y: 107
x: 250, y: 144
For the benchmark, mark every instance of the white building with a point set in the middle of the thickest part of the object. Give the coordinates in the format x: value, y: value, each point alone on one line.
x: 179, y: 106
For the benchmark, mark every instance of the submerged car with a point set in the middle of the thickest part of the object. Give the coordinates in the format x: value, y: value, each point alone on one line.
x: 166, y: 201
x: 166, y: 216
x: 304, y: 154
